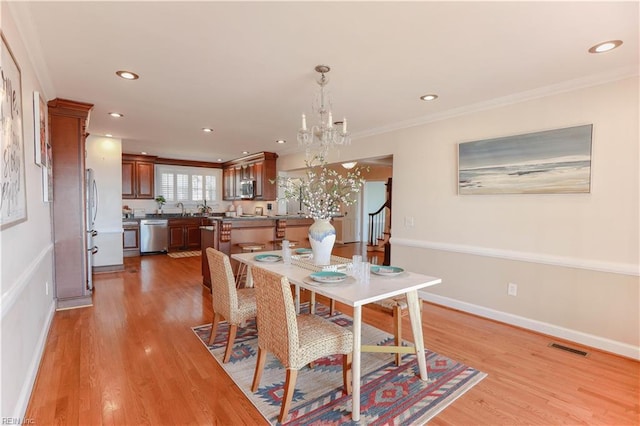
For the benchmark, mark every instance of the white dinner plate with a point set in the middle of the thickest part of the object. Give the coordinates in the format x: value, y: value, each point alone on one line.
x: 389, y: 271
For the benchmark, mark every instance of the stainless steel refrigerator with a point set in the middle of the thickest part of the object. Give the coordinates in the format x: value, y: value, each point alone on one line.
x: 91, y: 213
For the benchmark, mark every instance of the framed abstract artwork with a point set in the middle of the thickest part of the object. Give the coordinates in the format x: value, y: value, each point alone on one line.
x: 47, y: 177
x: 548, y: 162
x: 40, y: 129
x: 13, y: 201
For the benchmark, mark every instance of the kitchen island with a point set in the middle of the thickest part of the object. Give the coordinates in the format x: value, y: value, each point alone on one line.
x: 225, y: 233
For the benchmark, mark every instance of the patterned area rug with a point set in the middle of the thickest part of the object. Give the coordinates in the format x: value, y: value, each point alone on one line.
x: 389, y: 394
x: 191, y: 253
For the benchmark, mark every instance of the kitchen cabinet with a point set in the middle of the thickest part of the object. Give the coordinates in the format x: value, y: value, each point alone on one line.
x: 247, y: 171
x: 207, y: 239
x: 131, y: 239
x: 138, y: 172
x: 229, y: 183
x: 261, y: 168
x: 184, y: 234
x: 67, y: 131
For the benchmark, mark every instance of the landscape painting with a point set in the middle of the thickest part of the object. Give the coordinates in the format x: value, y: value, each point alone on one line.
x: 549, y: 162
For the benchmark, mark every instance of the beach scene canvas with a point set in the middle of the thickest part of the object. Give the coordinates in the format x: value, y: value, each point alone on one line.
x: 548, y: 162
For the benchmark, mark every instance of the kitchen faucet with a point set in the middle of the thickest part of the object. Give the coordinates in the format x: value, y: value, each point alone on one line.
x: 181, y: 208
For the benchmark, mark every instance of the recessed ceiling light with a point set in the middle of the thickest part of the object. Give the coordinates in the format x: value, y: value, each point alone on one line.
x: 605, y: 46
x: 143, y: 153
x: 429, y: 97
x: 245, y: 152
x: 207, y: 129
x: 219, y: 159
x: 109, y: 135
x: 127, y: 75
x: 281, y: 141
x: 116, y: 114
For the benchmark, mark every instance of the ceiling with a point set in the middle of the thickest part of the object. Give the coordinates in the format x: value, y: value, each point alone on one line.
x: 246, y: 69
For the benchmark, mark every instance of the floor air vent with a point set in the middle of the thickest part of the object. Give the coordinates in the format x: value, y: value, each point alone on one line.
x: 568, y: 349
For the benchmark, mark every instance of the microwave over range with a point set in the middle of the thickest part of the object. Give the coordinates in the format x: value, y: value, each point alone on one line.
x: 247, y: 189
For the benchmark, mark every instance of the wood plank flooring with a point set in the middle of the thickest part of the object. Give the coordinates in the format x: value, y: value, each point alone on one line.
x: 132, y: 359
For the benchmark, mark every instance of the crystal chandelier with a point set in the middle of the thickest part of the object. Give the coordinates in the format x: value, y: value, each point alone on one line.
x: 321, y: 136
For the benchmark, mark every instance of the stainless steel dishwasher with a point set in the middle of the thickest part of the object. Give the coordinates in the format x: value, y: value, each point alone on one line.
x: 154, y: 236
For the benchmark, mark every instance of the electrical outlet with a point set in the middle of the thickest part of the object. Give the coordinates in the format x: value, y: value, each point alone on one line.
x: 408, y: 221
x: 512, y: 289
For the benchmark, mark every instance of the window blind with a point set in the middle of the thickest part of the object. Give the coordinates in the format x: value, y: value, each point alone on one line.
x: 191, y: 185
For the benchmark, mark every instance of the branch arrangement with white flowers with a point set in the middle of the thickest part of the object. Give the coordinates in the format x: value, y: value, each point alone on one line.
x: 323, y: 190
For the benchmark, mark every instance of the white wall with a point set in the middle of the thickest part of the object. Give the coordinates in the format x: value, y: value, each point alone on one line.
x: 104, y: 156
x: 26, y: 251
x: 575, y: 257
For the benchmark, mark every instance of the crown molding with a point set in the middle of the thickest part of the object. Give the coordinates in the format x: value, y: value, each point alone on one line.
x: 554, y: 89
x: 28, y: 32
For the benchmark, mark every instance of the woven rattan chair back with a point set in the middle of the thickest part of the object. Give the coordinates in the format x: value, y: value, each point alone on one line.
x: 278, y: 328
x: 277, y: 324
x: 230, y: 304
x: 223, y: 284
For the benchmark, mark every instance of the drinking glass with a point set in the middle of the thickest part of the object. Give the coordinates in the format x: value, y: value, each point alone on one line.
x: 286, y: 252
x: 357, y: 265
x: 365, y: 271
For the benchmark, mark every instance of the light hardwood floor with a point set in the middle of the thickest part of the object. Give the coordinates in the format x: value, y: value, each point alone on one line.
x: 133, y: 359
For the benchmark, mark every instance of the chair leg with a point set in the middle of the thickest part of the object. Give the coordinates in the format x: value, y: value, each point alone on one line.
x: 257, y: 375
x: 289, y: 388
x: 332, y: 307
x: 346, y: 372
x: 214, y: 328
x: 397, y: 331
x: 233, y: 329
x: 241, y: 272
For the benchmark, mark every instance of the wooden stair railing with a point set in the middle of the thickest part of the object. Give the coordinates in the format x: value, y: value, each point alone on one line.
x: 380, y: 227
x: 377, y: 225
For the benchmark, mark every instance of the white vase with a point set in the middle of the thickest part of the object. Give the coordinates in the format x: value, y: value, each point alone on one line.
x: 322, y: 236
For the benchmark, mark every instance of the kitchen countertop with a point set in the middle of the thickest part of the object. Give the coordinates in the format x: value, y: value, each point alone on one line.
x: 217, y: 217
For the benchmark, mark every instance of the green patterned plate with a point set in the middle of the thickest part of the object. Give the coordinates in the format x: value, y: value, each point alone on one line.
x: 328, y: 277
x: 268, y: 258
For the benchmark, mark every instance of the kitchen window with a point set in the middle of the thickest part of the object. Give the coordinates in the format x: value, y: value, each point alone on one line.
x: 187, y: 184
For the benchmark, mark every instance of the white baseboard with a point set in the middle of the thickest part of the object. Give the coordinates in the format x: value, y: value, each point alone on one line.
x: 597, y: 342
x: 34, y: 365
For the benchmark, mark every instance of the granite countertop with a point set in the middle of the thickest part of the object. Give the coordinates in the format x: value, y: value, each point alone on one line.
x: 252, y: 217
x: 215, y: 216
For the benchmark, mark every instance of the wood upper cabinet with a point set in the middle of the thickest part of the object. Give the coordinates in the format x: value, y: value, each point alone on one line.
x: 229, y: 183
x: 138, y: 174
x: 247, y: 171
x: 261, y: 168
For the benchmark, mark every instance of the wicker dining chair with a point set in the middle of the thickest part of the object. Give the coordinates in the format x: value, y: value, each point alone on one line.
x: 296, y: 340
x: 233, y: 305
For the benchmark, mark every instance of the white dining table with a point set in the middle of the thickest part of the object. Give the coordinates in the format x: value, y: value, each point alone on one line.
x: 356, y: 293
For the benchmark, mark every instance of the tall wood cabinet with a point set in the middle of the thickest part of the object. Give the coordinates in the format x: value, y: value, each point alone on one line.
x: 67, y: 127
x: 138, y: 172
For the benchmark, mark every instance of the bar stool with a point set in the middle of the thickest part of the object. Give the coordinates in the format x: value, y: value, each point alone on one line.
x: 277, y: 244
x: 242, y: 267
